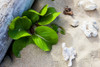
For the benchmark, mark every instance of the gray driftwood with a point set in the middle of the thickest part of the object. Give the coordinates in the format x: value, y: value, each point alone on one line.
x: 9, y: 9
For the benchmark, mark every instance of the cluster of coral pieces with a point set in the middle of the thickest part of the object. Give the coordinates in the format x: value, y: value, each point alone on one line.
x: 89, y: 27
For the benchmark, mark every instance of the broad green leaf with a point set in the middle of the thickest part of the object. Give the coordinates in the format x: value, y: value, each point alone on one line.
x: 12, y: 24
x: 41, y: 43
x: 51, y: 10
x: 44, y: 10
x: 45, y: 37
x: 58, y: 28
x: 33, y: 11
x: 47, y: 33
x: 55, y: 27
x: 49, y: 16
x: 20, y: 44
x: 20, y: 23
x: 45, y: 20
x: 31, y: 14
x: 16, y: 34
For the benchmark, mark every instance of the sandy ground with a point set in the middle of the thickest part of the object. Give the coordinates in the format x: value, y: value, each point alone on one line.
x: 88, y: 49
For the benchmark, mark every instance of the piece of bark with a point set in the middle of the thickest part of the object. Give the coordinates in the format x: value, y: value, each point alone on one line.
x: 10, y: 9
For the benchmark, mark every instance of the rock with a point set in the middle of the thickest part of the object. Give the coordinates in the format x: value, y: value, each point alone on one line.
x: 75, y: 23
x: 88, y: 5
x: 9, y: 9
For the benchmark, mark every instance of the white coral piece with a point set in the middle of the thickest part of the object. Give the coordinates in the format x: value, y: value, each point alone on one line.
x: 90, y: 28
x: 88, y: 5
x: 68, y: 54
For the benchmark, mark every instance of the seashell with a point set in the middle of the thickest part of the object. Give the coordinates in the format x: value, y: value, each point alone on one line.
x: 88, y: 5
x: 68, y: 53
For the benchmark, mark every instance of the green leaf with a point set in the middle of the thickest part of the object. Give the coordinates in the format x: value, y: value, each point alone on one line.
x: 44, y: 10
x: 45, y: 20
x: 47, y: 33
x: 20, y: 44
x: 16, y: 34
x: 33, y: 11
x: 49, y: 17
x: 31, y: 14
x: 20, y: 23
x: 51, y: 10
x: 53, y: 0
x: 58, y: 28
x: 41, y: 43
x: 62, y: 31
x: 45, y: 37
x: 55, y: 27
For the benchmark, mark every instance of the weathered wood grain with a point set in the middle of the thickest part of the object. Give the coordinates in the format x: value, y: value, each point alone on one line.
x: 8, y: 10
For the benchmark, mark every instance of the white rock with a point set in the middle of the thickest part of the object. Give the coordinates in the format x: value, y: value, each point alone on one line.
x: 75, y: 23
x: 90, y: 28
x: 88, y: 5
x: 68, y: 54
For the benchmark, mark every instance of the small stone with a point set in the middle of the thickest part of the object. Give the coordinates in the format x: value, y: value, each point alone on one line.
x: 75, y: 23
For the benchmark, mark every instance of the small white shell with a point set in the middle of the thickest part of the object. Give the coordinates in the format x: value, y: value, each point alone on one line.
x: 68, y: 54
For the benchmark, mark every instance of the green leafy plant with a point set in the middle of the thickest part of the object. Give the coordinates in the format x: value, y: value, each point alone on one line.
x: 58, y: 28
x: 32, y: 28
x: 53, y: 0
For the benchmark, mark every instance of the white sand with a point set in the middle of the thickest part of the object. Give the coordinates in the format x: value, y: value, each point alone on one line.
x: 88, y: 49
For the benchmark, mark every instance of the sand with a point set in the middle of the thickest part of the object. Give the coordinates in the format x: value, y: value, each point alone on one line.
x: 88, y: 49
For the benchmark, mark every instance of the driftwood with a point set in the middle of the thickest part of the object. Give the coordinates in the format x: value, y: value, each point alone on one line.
x: 9, y: 9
